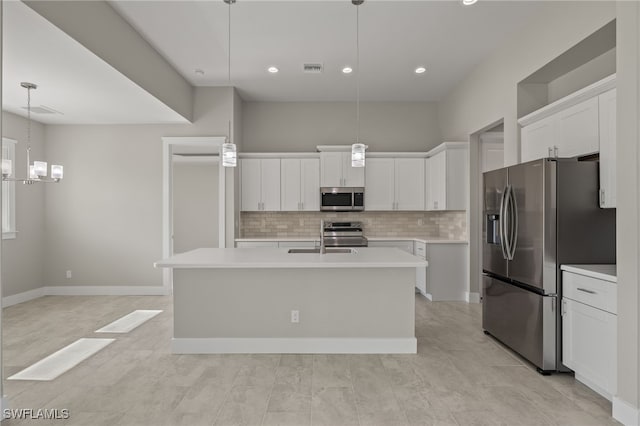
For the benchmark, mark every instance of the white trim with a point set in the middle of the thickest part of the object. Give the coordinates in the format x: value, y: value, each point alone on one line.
x: 10, y: 188
x: 593, y: 385
x: 9, y: 235
x: 104, y: 290
x: 87, y: 290
x: 333, y: 148
x: 447, y: 145
x: 397, y: 154
x: 22, y: 297
x: 625, y: 413
x: 472, y: 297
x: 318, y: 345
x: 167, y: 196
x: 279, y: 154
x: 492, y: 137
x: 574, y: 98
x: 429, y: 296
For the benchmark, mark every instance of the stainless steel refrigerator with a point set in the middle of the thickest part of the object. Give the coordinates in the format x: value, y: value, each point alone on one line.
x: 538, y: 216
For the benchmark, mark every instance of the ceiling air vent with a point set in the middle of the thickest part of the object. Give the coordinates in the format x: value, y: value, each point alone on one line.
x: 312, y: 68
x: 43, y: 110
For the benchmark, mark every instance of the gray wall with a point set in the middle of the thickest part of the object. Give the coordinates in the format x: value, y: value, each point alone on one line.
x: 301, y: 126
x: 104, y: 221
x: 628, y: 196
x: 23, y: 257
x: 195, y: 205
x: 490, y: 92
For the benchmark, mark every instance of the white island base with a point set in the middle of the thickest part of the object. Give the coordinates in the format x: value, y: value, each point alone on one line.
x: 247, y: 308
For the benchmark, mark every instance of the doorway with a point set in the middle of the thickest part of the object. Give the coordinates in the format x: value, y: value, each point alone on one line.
x: 192, y: 183
x: 486, y: 152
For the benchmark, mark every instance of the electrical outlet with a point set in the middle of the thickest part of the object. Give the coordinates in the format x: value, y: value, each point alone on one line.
x: 295, y: 317
x: 69, y: 274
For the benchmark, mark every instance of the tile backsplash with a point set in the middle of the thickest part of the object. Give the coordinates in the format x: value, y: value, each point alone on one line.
x: 448, y: 224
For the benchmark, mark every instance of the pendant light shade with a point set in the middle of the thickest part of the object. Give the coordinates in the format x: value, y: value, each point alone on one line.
x: 229, y: 155
x: 357, y: 154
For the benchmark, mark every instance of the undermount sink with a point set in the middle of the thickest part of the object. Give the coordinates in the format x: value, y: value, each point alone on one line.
x: 317, y: 250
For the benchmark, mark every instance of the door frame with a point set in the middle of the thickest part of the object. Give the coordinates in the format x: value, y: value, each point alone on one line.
x: 168, y: 145
x: 474, y: 213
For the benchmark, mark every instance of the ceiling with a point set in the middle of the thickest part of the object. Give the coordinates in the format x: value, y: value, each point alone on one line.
x: 71, y: 80
x: 395, y: 37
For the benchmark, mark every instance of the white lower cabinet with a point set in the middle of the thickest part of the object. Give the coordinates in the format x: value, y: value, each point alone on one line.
x: 589, y: 331
x: 420, y: 250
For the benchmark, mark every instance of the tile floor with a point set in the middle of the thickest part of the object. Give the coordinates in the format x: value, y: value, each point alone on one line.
x: 459, y: 376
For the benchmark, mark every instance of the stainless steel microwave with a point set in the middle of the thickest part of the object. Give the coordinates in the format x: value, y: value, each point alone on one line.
x: 342, y: 199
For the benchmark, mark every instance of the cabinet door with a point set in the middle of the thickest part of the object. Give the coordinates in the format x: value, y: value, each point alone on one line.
x: 589, y: 339
x: 290, y: 185
x: 409, y: 183
x: 352, y: 176
x: 380, y: 184
x: 578, y: 132
x: 331, y: 165
x: 310, y: 184
x: 607, y: 109
x: 447, y: 277
x: 251, y: 200
x: 270, y: 180
x: 437, y: 184
x: 537, y: 138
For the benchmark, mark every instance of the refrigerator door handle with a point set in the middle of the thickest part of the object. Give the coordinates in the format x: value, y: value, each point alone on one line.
x: 501, y: 225
x: 507, y: 222
x: 513, y: 224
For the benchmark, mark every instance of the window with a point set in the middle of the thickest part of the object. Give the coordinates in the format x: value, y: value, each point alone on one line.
x: 9, y: 192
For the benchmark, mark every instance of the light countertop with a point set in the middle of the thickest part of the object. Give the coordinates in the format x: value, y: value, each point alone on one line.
x: 363, y: 257
x: 602, y: 272
x: 429, y: 240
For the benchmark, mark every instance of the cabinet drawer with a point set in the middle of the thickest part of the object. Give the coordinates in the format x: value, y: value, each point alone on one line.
x: 420, y: 249
x: 590, y: 291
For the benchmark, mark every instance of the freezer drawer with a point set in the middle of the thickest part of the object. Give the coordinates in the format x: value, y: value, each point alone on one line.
x: 523, y: 320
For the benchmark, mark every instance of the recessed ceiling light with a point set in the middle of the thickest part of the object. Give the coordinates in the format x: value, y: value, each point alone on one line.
x: 420, y: 70
x: 347, y: 70
x: 198, y: 71
x: 273, y: 70
x: 469, y: 2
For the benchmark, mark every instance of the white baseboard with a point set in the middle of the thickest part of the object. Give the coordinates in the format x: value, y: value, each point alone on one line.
x: 83, y: 291
x: 105, y: 290
x: 625, y: 413
x: 407, y: 345
x: 429, y: 296
x: 472, y: 297
x: 594, y: 386
x: 22, y: 297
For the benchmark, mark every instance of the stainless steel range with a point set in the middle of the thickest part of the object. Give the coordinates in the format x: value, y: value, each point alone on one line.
x: 344, y: 234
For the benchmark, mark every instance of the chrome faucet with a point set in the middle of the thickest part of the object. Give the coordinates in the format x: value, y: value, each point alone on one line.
x: 323, y: 249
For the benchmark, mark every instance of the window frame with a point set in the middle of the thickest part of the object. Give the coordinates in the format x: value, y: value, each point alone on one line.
x: 9, y: 193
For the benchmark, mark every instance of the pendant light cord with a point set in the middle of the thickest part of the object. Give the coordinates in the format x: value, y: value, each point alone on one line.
x: 229, y: 45
x: 358, y: 74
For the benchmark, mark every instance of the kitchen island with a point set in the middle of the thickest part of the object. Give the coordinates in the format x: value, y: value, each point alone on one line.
x: 246, y: 300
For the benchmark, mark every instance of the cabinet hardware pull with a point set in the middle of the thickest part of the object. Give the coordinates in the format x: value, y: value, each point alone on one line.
x: 586, y: 291
x: 549, y: 152
x: 602, y: 197
x: 555, y: 151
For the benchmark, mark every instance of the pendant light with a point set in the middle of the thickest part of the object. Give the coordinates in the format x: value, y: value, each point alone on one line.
x: 357, y: 149
x: 36, y: 172
x: 229, y: 154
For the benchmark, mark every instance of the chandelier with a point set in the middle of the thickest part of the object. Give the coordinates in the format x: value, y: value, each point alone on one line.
x: 36, y: 172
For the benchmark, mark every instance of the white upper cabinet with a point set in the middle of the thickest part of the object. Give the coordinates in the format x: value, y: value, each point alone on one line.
x: 447, y: 171
x: 380, y: 189
x: 578, y: 129
x: 569, y: 127
x: 336, y: 170
x: 300, y: 184
x: 260, y: 184
x: 538, y: 139
x: 394, y: 184
x: 607, y: 120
